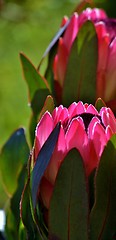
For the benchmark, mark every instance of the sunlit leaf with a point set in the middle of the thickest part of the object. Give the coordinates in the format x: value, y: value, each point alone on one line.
x: 48, y: 106
x: 22, y: 232
x: 33, y: 78
x: 99, y: 104
x: 68, y: 213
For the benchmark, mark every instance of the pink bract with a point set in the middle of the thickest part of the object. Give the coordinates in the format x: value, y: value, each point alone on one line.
x: 83, y: 128
x: 106, y: 69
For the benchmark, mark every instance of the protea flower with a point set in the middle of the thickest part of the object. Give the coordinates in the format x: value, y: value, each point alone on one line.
x: 106, y: 67
x: 83, y: 128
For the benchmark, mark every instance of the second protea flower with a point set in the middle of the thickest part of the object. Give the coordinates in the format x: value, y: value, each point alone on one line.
x: 83, y: 128
x: 106, y: 66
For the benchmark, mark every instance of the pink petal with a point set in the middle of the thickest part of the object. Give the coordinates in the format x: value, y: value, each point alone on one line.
x: 91, y: 127
x: 71, y: 109
x: 99, y: 138
x: 86, y: 106
x: 76, y: 109
x: 109, y: 132
x: 71, y: 31
x: 56, y: 113
x: 60, y: 114
x: 97, y: 14
x: 80, y: 120
x: 84, y: 16
x: 76, y: 137
x: 64, y: 115
x: 93, y: 15
x: 64, y: 46
x: 92, y: 109
x: 80, y: 108
x: 103, y: 51
x: 42, y: 132
x: 108, y: 118
x: 64, y: 21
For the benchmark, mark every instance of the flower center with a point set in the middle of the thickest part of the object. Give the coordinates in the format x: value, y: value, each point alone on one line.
x: 87, y: 117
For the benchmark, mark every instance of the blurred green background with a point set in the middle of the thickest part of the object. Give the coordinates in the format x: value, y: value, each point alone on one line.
x: 25, y: 26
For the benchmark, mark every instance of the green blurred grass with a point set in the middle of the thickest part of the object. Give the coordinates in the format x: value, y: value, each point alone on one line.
x: 24, y: 28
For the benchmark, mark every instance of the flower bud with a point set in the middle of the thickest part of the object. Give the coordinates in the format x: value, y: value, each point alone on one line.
x: 83, y: 128
x: 106, y: 66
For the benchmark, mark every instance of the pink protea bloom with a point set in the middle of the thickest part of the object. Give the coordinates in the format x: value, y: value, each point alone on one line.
x: 106, y: 68
x: 83, y: 128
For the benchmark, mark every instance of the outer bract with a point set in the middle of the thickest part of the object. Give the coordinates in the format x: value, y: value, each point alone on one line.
x: 83, y: 128
x: 106, y: 68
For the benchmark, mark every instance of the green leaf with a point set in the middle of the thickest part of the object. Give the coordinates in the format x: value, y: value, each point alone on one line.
x: 39, y: 108
x: 38, y: 101
x: 48, y: 106
x: 14, y: 155
x: 34, y: 80
x: 80, y: 78
x: 53, y: 42
x: 42, y: 161
x: 37, y: 105
x: 10, y: 232
x: 68, y: 213
x: 22, y: 232
x: 103, y: 217
x: 4, y: 198
x: 49, y: 70
x: 15, y: 200
x: 32, y: 127
x: 99, y: 104
x: 27, y: 215
x: 25, y: 207
x: 13, y: 212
